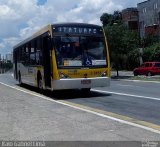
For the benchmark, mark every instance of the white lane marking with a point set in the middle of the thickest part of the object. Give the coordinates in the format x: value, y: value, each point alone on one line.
x: 125, y: 85
x: 157, y: 82
x: 125, y: 94
x: 85, y: 110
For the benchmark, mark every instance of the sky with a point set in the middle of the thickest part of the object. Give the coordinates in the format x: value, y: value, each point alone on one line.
x: 21, y: 18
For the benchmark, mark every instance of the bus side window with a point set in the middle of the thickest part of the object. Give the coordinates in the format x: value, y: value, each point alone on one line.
x: 23, y: 55
x: 33, y: 53
x: 28, y: 48
x: 39, y: 51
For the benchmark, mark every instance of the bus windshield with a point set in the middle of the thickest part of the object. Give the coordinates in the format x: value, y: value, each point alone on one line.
x: 80, y: 51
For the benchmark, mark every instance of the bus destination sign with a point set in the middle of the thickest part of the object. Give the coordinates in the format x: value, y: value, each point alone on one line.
x: 79, y: 30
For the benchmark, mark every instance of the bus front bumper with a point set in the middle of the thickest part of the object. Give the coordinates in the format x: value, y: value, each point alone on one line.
x: 80, y: 83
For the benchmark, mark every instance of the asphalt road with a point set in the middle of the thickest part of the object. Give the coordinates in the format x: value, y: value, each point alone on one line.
x: 125, y: 111
x: 139, y: 100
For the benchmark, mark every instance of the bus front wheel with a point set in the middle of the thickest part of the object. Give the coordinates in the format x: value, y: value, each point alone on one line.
x: 39, y: 82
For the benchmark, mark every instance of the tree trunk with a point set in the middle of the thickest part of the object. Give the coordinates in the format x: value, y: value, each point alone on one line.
x: 117, y: 72
x: 117, y: 69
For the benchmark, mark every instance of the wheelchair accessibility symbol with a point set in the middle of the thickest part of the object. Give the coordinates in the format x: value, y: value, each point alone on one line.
x: 88, y: 61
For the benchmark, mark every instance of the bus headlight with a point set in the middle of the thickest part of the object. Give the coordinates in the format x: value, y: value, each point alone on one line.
x: 63, y: 76
x: 104, y: 74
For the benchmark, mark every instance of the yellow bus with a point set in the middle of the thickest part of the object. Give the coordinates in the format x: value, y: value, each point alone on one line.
x: 64, y: 56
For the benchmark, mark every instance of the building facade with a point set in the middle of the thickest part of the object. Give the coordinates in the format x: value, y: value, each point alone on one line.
x: 130, y: 18
x: 149, y: 17
x: 9, y: 58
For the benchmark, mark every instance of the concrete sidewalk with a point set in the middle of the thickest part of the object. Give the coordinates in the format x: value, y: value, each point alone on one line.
x: 122, y: 74
x: 128, y: 75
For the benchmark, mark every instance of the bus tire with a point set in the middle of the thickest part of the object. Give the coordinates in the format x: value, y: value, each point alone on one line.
x: 39, y: 82
x: 19, y: 78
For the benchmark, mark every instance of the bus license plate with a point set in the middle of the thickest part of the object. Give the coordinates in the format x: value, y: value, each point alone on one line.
x: 86, y: 82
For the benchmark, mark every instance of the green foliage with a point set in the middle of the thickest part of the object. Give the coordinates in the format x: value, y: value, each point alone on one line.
x: 6, y: 66
x: 106, y: 19
x: 124, y: 44
x: 149, y: 41
x: 133, y: 58
x: 152, y: 53
x: 111, y: 19
x: 122, y: 41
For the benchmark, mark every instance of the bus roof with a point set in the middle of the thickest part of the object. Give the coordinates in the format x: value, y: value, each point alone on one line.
x: 38, y: 33
x: 50, y: 26
x: 75, y: 24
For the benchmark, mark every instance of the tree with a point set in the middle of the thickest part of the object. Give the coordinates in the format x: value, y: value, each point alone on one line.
x: 149, y: 41
x: 134, y: 58
x: 121, y: 40
x: 152, y: 53
x: 111, y: 19
x: 106, y: 19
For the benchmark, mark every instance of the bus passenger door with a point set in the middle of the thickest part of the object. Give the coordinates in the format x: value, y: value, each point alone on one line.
x: 47, y: 60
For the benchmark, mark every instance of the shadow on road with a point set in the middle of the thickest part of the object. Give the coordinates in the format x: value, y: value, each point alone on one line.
x: 65, y: 94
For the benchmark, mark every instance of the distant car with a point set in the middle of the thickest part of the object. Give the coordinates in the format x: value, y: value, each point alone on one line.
x: 148, y: 69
